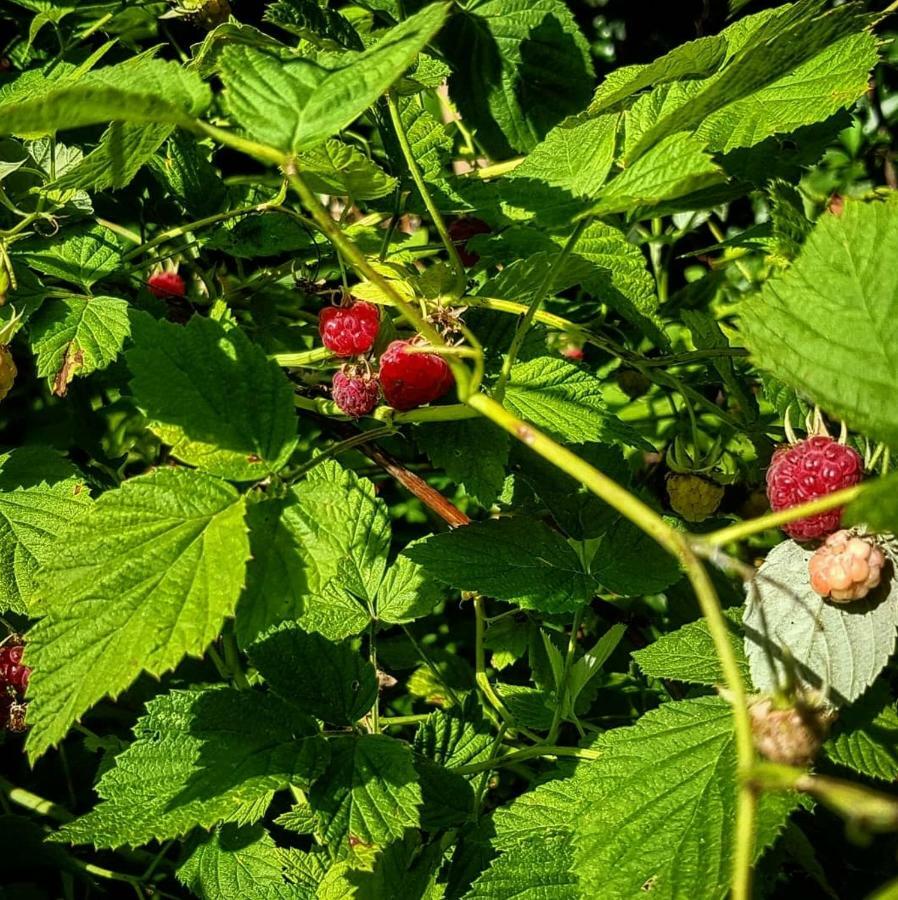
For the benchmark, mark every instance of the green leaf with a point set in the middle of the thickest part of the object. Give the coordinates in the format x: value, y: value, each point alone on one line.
x: 82, y: 255
x: 472, y: 452
x: 877, y: 506
x: 677, y: 166
x: 306, y: 19
x: 185, y: 173
x: 835, y: 648
x: 457, y: 736
x: 369, y: 792
x: 690, y: 60
x: 213, y: 396
x: 297, y: 103
x: 261, y: 234
x: 237, y: 862
x: 659, y: 805
x: 139, y: 90
x: 200, y: 757
x: 145, y: 576
x: 631, y: 563
x: 41, y: 494
x: 329, y: 681
x: 338, y: 168
x: 275, y: 576
x: 866, y: 736
x: 123, y: 150
x: 429, y: 139
x: 688, y: 653
x: 565, y: 400
x: 406, y: 593
x: 538, y: 869
x: 511, y: 558
x: 337, y: 516
x: 519, y: 68
x: 828, y: 326
x: 77, y: 336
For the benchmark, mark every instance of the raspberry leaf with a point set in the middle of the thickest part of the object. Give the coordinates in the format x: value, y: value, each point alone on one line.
x: 369, y: 792
x: 877, y: 507
x: 539, y: 867
x: 200, y: 757
x: 514, y: 558
x: 829, y: 324
x: 337, y: 168
x: 295, y: 104
x: 235, y: 861
x: 213, y: 396
x: 147, y: 575
x: 323, y: 679
x: 406, y: 593
x: 83, y: 255
x: 838, y: 649
x: 688, y: 654
x: 41, y: 495
x: 866, y: 736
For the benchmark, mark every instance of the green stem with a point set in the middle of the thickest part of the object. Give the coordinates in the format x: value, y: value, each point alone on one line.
x: 258, y: 151
x: 542, y: 291
x: 372, y: 647
x: 536, y: 752
x: 432, y: 210
x: 480, y: 675
x: 742, y: 530
x: 34, y: 803
x: 562, y: 688
x: 404, y: 720
x: 232, y: 660
x: 363, y: 437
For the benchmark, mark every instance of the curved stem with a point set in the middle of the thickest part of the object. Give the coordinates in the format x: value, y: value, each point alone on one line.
x: 536, y: 752
x: 434, y: 213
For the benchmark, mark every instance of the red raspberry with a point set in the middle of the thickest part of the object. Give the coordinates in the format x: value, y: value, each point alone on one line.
x: 412, y: 379
x: 812, y: 468
x: 573, y: 353
x: 846, y: 567
x: 461, y: 231
x: 12, y: 672
x: 166, y: 284
x: 349, y: 330
x: 355, y: 392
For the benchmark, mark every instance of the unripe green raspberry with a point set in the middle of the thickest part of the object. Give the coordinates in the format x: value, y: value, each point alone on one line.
x: 693, y: 497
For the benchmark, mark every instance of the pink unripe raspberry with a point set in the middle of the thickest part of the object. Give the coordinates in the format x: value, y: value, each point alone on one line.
x: 166, y: 285
x: 791, y: 735
x: 410, y: 379
x: 812, y: 468
x: 355, y: 392
x: 349, y: 330
x: 846, y: 567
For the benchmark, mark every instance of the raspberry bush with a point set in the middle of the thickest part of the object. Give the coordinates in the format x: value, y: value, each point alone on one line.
x: 401, y: 491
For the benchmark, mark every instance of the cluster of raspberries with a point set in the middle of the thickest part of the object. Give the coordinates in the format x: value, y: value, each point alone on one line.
x: 407, y: 376
x: 13, y: 681
x: 847, y: 566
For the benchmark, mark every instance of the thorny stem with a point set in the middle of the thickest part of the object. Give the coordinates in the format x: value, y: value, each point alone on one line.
x: 432, y: 210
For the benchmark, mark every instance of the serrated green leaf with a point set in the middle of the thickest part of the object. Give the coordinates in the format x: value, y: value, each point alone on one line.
x: 295, y: 104
x: 369, y: 792
x: 877, y: 506
x: 183, y: 168
x: 472, y: 452
x: 565, y: 400
x: 123, y: 150
x: 307, y: 19
x: 261, y: 234
x: 200, y: 757
x: 338, y: 168
x: 327, y: 680
x: 337, y: 516
x: 538, y: 869
x: 145, y: 576
x: 139, y: 90
x: 447, y: 799
x: 519, y: 68
x: 835, y: 648
x: 457, y: 736
x: 41, y: 494
x: 82, y: 255
x: 406, y: 593
x: 511, y: 558
x: 237, y: 862
x: 630, y: 562
x: 829, y: 324
x: 659, y: 805
x: 866, y: 736
x: 77, y: 336
x: 688, y: 653
x: 429, y: 139
x: 213, y: 396
x: 276, y: 574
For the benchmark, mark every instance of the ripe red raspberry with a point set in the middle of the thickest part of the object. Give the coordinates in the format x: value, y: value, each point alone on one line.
x: 355, y: 391
x: 12, y: 672
x: 461, y: 231
x: 349, y: 330
x: 812, y: 468
x: 411, y: 379
x: 846, y: 567
x: 166, y: 284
